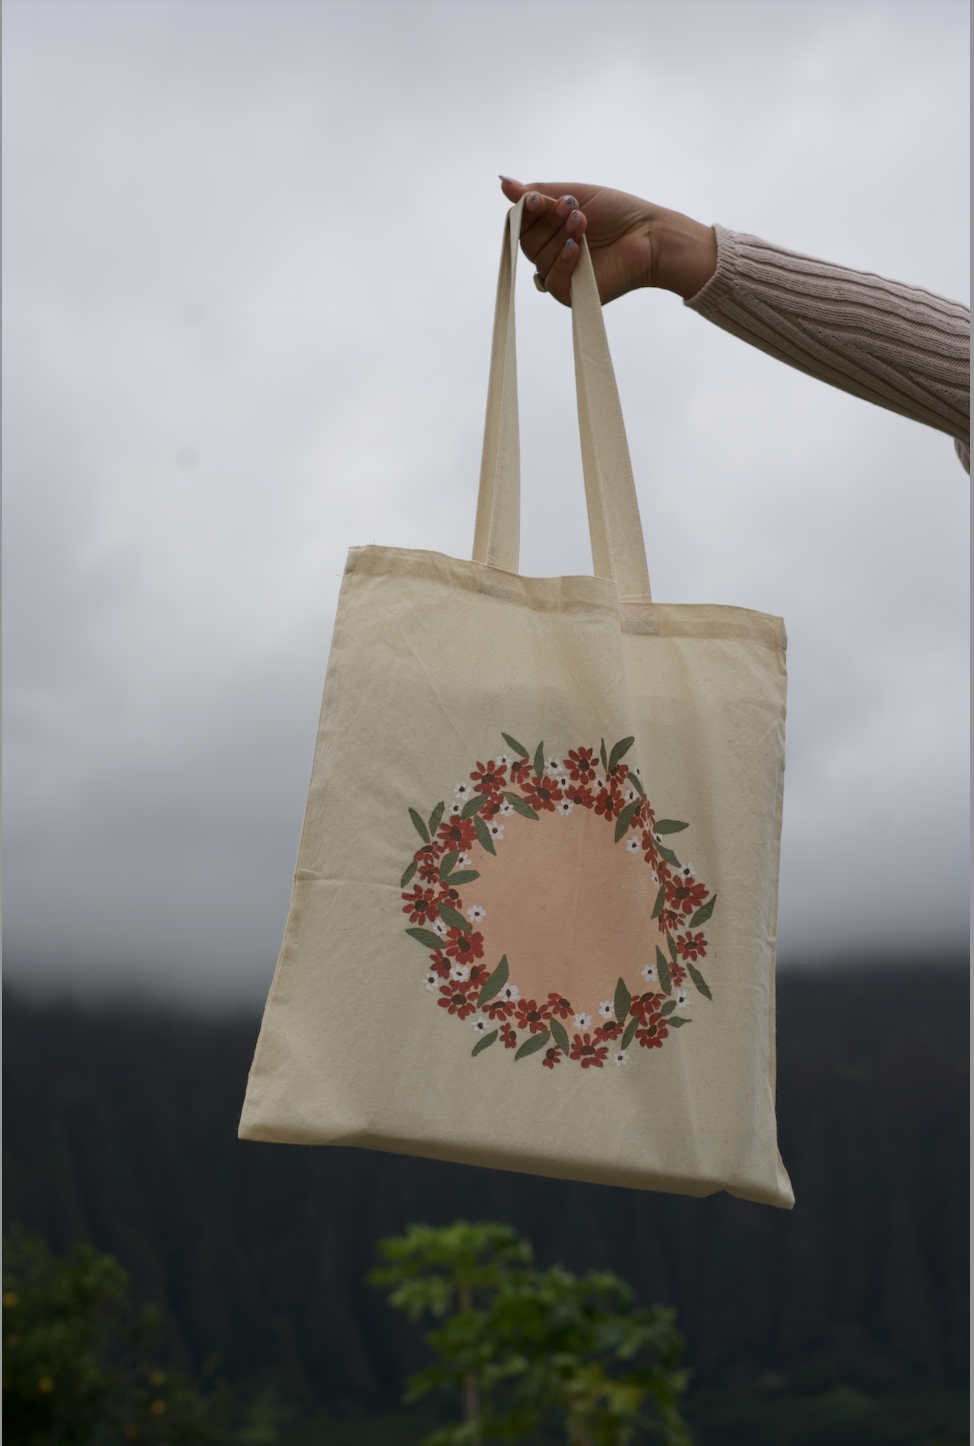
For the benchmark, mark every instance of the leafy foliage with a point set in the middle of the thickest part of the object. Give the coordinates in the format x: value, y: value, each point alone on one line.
x: 77, y: 1362
x: 529, y: 1349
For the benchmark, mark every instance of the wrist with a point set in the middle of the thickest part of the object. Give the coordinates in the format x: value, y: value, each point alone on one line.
x: 684, y: 253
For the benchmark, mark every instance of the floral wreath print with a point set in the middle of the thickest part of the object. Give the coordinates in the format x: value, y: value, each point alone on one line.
x: 444, y: 917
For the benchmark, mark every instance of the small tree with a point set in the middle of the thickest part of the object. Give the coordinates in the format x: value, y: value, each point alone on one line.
x: 528, y: 1349
x: 78, y: 1361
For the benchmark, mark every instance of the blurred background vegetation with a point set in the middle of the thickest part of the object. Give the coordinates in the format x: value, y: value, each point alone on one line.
x: 844, y: 1321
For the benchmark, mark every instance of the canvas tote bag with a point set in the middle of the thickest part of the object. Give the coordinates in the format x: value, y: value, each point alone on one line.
x: 534, y: 910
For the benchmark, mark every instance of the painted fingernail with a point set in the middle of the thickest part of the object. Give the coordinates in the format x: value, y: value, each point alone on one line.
x: 569, y: 249
x: 534, y: 200
x: 570, y: 202
x: 510, y: 180
x: 573, y: 220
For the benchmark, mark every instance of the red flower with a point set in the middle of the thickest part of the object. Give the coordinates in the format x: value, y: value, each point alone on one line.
x: 645, y: 1004
x: 579, y: 793
x: 520, y: 770
x: 690, y: 945
x: 668, y: 921
x: 531, y: 1015
x: 497, y: 1008
x: 619, y: 774
x: 677, y: 974
x: 654, y: 1033
x: 551, y: 1058
x: 610, y: 1030
x: 429, y: 863
x: 559, y: 1006
x: 608, y: 803
x: 439, y: 965
x: 479, y: 974
x: 591, y: 1055
x: 457, y: 833
x: 542, y: 793
x: 420, y: 906
x: 508, y: 1036
x: 465, y: 948
x: 456, y: 1000
x: 581, y: 764
x: 489, y: 777
x: 684, y: 894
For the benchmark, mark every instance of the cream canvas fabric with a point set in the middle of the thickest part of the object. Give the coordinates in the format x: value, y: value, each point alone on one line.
x: 534, y: 911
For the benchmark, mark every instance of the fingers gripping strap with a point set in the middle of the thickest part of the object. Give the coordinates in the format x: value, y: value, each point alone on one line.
x: 618, y: 551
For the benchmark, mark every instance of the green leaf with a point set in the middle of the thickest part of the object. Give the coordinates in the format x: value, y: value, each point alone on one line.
x: 435, y: 817
x: 668, y: 855
x: 495, y: 983
x: 663, y: 970
x: 660, y: 901
x: 483, y: 837
x: 408, y: 874
x: 668, y: 1007
x: 625, y: 819
x: 636, y: 782
x: 520, y: 805
x: 605, y: 760
x: 484, y: 1043
x: 620, y: 751
x: 465, y: 876
x: 519, y: 748
x: 631, y: 1028
x: 559, y: 1034
x: 419, y: 825
x: 538, y: 769
x: 447, y: 862
x: 703, y: 913
x: 678, y: 1021
x: 473, y: 805
x: 428, y: 939
x: 671, y: 945
x: 532, y: 1045
x: 623, y: 999
x: 453, y: 919
x: 669, y: 825
x: 699, y: 981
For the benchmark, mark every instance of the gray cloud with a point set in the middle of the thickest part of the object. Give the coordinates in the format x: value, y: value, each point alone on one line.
x: 250, y: 257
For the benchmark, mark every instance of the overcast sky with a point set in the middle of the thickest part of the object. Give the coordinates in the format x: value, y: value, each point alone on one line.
x: 251, y: 249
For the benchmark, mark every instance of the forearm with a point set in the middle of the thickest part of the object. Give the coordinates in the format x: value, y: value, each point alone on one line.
x: 897, y: 346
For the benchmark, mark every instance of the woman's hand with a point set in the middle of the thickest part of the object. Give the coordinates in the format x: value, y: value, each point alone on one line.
x: 633, y: 243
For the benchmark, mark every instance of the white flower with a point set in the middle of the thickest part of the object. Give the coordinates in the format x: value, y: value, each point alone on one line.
x: 431, y: 980
x: 510, y: 993
x: 605, y: 1009
x: 563, y: 781
x: 682, y: 999
x: 638, y: 772
x: 475, y: 913
x: 506, y: 809
x: 565, y: 807
x: 648, y: 972
x: 630, y: 795
x: 455, y: 808
x: 689, y: 871
x: 655, y: 877
x: 582, y: 1021
x: 632, y: 846
x: 459, y: 973
x: 502, y: 761
x: 439, y: 928
x: 621, y: 1057
x: 496, y: 830
x: 553, y: 766
x: 481, y: 1025
x: 463, y: 790
x: 463, y: 861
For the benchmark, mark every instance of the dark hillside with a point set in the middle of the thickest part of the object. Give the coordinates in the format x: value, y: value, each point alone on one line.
x: 848, y: 1313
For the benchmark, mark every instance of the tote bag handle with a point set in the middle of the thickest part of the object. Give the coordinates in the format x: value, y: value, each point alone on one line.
x: 618, y: 550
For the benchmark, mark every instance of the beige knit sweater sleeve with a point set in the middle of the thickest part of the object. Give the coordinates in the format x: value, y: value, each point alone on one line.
x: 894, y: 345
